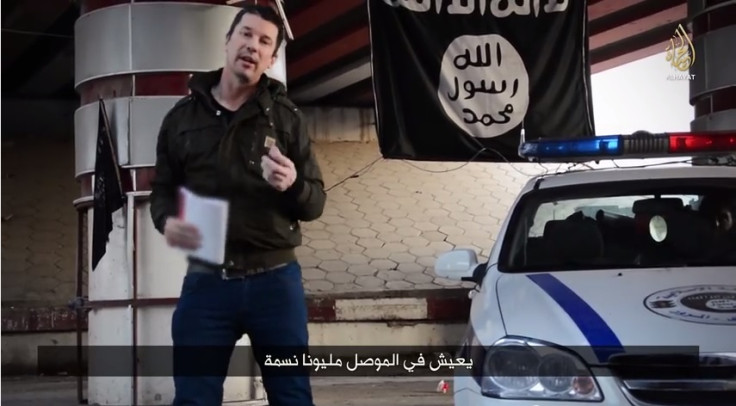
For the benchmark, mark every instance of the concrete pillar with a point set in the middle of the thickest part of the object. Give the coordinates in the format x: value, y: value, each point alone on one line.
x: 138, y: 56
x: 713, y: 87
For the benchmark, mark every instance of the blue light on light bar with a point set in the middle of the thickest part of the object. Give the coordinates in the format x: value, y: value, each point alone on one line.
x: 606, y: 146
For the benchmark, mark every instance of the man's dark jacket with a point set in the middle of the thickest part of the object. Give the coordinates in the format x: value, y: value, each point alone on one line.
x: 197, y: 148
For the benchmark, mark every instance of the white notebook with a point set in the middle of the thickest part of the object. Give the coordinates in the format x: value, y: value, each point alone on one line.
x: 210, y: 216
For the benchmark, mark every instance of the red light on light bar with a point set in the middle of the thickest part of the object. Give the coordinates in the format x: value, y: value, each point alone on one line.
x: 702, y: 142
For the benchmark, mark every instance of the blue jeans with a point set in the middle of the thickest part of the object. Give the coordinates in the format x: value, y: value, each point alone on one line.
x: 214, y: 313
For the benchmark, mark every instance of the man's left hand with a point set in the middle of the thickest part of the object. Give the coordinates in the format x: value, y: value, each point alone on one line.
x: 278, y: 170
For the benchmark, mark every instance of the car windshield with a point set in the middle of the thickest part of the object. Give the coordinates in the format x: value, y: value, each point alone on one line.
x: 633, y: 224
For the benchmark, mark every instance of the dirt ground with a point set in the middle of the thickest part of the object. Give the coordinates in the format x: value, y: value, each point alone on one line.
x: 41, y: 391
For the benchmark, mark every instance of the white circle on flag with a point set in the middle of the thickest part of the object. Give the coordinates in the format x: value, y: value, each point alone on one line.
x: 484, y: 85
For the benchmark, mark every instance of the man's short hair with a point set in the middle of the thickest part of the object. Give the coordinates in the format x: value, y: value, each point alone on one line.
x: 265, y: 12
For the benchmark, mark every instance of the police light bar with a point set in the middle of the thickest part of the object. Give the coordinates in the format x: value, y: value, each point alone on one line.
x: 638, y: 145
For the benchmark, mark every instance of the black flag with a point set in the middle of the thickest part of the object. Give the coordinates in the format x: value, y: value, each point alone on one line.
x: 109, y: 196
x: 459, y: 79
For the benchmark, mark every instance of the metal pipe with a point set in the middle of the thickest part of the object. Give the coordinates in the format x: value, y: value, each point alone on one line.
x: 79, y: 311
x: 132, y: 206
x: 141, y: 302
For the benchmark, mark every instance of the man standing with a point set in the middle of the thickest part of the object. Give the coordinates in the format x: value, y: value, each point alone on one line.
x: 238, y: 137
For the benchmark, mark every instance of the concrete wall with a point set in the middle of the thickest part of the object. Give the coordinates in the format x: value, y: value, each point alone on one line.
x: 39, y: 223
x: 331, y: 125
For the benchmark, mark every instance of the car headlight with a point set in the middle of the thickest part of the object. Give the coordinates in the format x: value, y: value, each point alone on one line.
x: 520, y: 368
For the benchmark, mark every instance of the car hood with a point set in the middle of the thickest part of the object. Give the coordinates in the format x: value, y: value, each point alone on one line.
x: 638, y: 307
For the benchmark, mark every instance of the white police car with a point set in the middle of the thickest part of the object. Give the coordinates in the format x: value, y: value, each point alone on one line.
x: 610, y: 286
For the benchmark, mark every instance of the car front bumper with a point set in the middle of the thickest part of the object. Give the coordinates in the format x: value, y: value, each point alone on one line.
x: 466, y: 392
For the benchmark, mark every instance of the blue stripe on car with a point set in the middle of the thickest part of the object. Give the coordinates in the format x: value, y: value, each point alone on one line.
x: 601, y: 338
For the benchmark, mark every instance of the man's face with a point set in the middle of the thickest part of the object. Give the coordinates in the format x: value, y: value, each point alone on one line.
x: 250, y: 50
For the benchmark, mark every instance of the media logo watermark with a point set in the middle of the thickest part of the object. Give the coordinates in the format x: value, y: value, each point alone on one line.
x: 681, y: 55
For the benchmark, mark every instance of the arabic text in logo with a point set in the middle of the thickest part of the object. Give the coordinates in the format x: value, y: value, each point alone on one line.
x: 705, y: 304
x: 681, y: 55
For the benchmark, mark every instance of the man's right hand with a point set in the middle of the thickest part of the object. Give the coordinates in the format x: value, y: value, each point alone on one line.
x: 182, y: 234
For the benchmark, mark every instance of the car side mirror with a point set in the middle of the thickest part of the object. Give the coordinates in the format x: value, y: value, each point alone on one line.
x: 459, y: 264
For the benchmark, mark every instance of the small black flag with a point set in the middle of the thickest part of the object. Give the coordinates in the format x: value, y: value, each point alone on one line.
x: 109, y: 196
